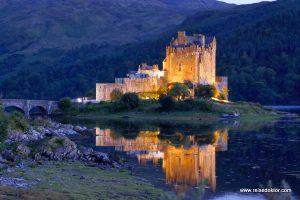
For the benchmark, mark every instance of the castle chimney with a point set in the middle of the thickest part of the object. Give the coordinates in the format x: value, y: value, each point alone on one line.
x: 181, y: 38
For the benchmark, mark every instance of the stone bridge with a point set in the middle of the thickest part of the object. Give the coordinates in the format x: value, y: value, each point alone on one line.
x: 27, y: 105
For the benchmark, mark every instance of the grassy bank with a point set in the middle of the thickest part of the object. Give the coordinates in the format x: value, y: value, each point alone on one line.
x: 60, y: 180
x: 78, y: 182
x: 16, y: 121
x: 204, y: 111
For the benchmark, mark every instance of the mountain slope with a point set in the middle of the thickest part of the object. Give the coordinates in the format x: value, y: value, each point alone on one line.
x: 258, y: 49
x: 30, y: 25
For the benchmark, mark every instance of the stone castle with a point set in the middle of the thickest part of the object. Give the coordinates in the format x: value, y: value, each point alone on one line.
x: 188, y: 58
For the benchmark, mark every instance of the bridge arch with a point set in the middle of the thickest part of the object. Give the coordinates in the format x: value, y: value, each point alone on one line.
x: 13, y: 108
x: 27, y: 106
x: 38, y: 110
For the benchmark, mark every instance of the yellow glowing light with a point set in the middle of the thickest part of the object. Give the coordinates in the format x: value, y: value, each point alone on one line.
x: 219, y: 100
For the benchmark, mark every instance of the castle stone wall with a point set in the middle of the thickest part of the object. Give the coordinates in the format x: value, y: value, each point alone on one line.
x: 136, y: 85
x: 180, y: 64
x: 207, y: 65
x: 103, y: 90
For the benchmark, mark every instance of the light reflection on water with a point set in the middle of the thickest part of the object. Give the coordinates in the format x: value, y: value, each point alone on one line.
x: 214, y: 161
x: 184, y: 166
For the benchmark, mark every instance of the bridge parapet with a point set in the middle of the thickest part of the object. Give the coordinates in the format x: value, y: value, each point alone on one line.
x: 26, y: 105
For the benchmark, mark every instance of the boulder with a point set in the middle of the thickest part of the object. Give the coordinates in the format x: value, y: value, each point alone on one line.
x: 102, y: 158
x: 63, y: 132
x: 80, y: 129
x: 16, y: 136
x: 37, y: 157
x: 59, y: 148
x: 3, y: 166
x: 23, y: 150
x: 8, y: 155
x: 87, y: 151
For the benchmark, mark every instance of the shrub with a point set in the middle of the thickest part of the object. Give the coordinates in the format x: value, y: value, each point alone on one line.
x: 148, y: 95
x: 167, y: 102
x: 90, y: 107
x: 184, y: 105
x: 116, y: 95
x: 130, y: 100
x: 3, y: 126
x: 224, y: 94
x: 179, y: 91
x: 40, y: 121
x: 163, y: 89
x: 118, y: 106
x: 64, y: 104
x: 189, y: 84
x: 205, y: 91
x: 17, y: 121
x: 190, y: 104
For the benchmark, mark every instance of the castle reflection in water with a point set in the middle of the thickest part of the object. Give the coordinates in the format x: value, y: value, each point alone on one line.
x: 185, y: 166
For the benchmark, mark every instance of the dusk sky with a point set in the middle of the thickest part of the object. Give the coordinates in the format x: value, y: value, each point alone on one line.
x: 243, y: 1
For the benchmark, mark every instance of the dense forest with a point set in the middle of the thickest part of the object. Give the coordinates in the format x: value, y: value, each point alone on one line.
x: 258, y: 49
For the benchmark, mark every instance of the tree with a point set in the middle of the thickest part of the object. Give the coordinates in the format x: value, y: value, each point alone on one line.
x: 163, y: 89
x: 205, y: 91
x: 3, y: 123
x: 91, y: 93
x: 116, y: 95
x: 179, y: 91
x: 65, y: 104
x: 224, y: 94
x: 189, y: 84
x: 167, y: 102
x: 130, y: 100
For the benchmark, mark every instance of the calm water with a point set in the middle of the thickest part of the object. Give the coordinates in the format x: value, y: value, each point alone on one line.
x: 204, y: 162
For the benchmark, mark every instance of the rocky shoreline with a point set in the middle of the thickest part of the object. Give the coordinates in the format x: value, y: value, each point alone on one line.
x: 46, y: 143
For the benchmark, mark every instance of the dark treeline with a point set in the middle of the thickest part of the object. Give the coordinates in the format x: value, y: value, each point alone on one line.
x: 258, y: 49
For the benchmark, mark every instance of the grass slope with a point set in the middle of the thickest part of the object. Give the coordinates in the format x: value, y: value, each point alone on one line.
x: 55, y: 181
x: 183, y: 112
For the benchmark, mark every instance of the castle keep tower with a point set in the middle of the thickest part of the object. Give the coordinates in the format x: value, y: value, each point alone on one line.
x: 191, y: 58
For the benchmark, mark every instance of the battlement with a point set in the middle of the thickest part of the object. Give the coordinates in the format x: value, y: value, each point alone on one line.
x: 183, y: 41
x: 136, y: 80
